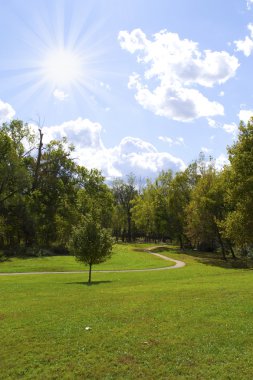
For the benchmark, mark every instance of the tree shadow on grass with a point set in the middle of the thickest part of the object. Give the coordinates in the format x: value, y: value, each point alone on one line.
x: 240, y: 263
x: 211, y: 258
x: 214, y: 259
x: 87, y: 284
x: 207, y: 258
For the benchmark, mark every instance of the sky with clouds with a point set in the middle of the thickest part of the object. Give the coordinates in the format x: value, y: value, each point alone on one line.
x: 137, y: 86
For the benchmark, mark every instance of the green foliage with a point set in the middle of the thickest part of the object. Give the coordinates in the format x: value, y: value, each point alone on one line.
x: 238, y: 225
x: 90, y: 243
x: 124, y: 194
x: 44, y: 194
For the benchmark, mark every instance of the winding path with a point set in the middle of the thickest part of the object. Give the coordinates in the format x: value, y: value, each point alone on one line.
x: 178, y: 264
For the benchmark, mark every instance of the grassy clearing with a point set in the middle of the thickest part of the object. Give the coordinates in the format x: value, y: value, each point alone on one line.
x: 189, y: 323
x: 123, y: 257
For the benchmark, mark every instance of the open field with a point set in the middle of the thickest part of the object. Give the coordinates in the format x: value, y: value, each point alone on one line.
x: 123, y: 257
x: 189, y: 323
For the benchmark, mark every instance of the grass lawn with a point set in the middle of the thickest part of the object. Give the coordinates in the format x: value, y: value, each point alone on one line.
x: 123, y: 257
x: 188, y: 323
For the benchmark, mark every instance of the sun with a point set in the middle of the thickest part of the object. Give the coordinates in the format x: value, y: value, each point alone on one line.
x: 65, y: 62
x: 62, y: 67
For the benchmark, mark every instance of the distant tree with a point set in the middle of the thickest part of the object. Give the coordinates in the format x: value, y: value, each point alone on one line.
x: 94, y: 197
x: 179, y: 198
x: 124, y: 193
x: 206, y: 212
x: 143, y: 212
x: 90, y: 243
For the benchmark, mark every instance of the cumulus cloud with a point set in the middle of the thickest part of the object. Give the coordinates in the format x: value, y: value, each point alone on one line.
x: 174, y: 69
x: 246, y: 45
x: 82, y: 132
x: 130, y: 155
x: 60, y: 95
x: 142, y: 157
x: 245, y: 115
x: 6, y: 112
x: 221, y: 161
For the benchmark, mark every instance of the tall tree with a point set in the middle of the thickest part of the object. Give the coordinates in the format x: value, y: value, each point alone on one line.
x: 239, y: 222
x: 124, y: 193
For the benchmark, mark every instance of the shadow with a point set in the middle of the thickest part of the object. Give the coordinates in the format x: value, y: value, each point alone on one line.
x: 215, y: 259
x: 3, y: 259
x: 239, y: 263
x: 86, y: 283
x: 158, y: 249
x: 210, y: 258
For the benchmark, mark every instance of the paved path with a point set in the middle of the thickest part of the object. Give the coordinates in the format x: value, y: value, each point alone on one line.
x: 178, y: 264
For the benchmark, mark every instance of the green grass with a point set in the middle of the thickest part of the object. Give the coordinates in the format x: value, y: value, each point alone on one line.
x: 123, y: 257
x: 189, y: 323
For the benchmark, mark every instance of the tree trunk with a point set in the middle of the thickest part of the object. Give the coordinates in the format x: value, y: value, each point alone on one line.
x: 36, y: 173
x: 221, y: 243
x: 129, y: 231
x: 232, y: 251
x: 222, y: 247
x: 89, y: 280
x: 181, y: 242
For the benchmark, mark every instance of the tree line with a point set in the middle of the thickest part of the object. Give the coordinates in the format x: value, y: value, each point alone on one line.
x: 45, y: 195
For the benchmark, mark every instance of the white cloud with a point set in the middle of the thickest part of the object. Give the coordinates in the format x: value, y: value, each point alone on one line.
x: 60, y: 95
x: 170, y: 141
x: 221, y: 161
x: 249, y: 3
x: 206, y: 150
x: 130, y: 155
x: 82, y: 132
x: 231, y: 128
x: 246, y: 45
x: 212, y: 123
x: 143, y: 158
x: 6, y: 112
x: 222, y: 93
x: 173, y: 69
x: 245, y: 115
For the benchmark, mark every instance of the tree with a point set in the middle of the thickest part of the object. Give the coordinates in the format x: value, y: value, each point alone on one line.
x: 179, y: 198
x: 207, y: 210
x: 238, y: 225
x: 143, y: 212
x: 124, y: 194
x: 94, y: 197
x: 90, y: 243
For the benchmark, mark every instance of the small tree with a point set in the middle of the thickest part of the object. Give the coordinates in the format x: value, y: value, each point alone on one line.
x: 90, y: 243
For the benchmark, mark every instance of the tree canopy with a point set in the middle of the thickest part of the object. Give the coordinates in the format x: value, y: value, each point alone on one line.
x: 44, y: 194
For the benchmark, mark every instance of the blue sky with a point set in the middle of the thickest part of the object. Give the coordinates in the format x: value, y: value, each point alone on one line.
x: 138, y: 86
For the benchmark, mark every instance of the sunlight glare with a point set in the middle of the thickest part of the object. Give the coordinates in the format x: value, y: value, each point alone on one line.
x: 62, y: 67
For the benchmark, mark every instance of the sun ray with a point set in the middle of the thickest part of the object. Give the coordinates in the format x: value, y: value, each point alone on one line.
x: 67, y: 57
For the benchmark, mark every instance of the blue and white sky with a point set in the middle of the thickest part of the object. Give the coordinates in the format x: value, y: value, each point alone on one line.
x: 137, y: 85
